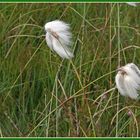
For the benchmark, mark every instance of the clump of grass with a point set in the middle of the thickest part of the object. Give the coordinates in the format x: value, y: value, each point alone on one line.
x: 43, y: 95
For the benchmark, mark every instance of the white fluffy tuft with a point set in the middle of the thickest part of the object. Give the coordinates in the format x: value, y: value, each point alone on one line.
x: 58, y: 38
x: 119, y: 79
x: 132, y: 3
x: 128, y: 80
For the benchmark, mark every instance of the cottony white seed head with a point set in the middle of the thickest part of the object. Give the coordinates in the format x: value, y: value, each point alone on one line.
x: 58, y: 38
x: 128, y: 80
x: 132, y: 3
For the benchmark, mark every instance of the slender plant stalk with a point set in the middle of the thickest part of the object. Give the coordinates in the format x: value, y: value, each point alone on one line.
x: 119, y: 60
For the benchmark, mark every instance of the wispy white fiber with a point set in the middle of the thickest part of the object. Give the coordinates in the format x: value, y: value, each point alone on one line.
x: 128, y: 80
x: 58, y: 38
x: 132, y: 3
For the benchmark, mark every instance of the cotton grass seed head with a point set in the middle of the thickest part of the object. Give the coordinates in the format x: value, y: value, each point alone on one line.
x: 132, y: 4
x: 128, y: 80
x: 58, y: 38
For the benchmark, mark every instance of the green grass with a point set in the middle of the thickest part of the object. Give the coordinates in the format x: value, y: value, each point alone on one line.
x: 43, y: 95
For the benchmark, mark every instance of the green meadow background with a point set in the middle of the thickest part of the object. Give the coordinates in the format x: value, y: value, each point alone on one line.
x: 43, y: 95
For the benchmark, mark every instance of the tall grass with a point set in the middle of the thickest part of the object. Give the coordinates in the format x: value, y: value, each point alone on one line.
x: 43, y: 95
